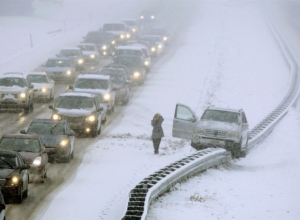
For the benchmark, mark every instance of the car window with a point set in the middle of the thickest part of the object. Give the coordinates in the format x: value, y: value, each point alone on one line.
x: 46, y: 128
x: 58, y: 63
x: 75, y: 102
x: 113, y: 27
x: 87, y: 47
x: 116, y: 79
x: 183, y: 113
x: 8, y: 161
x: 244, y: 119
x: 92, y: 84
x: 70, y: 53
x: 13, y: 81
x: 20, y: 144
x: 218, y: 115
x: 37, y: 79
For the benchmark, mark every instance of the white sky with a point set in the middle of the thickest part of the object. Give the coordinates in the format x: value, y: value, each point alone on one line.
x: 227, y: 57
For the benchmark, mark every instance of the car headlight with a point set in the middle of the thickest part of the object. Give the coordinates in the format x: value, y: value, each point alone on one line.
x: 234, y: 134
x: 159, y: 46
x: 104, y: 53
x: 199, y: 131
x: 64, y: 143
x: 142, y: 17
x: 45, y: 89
x: 37, y: 161
x: 165, y: 38
x: 80, y: 61
x: 69, y: 72
x: 104, y: 47
x: 128, y: 35
x: 122, y: 36
x: 153, y: 49
x: 113, y: 42
x: 152, y: 17
x: 56, y: 117
x: 92, y: 56
x: 136, y: 74
x: 106, y: 97
x: 91, y: 118
x: 15, y: 180
x: 133, y: 30
x: 22, y: 95
x: 146, y: 63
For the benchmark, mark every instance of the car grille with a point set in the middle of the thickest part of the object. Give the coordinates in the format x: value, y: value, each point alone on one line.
x: 216, y: 133
x: 73, y: 119
x: 14, y: 95
x: 2, y: 182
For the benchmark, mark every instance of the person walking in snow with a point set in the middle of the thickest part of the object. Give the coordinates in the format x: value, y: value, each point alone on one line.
x: 157, y: 132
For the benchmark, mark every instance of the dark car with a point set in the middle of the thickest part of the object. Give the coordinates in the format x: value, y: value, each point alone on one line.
x: 81, y: 110
x: 57, y: 137
x: 160, y: 32
x: 14, y: 176
x: 31, y: 149
x: 121, y: 87
x: 104, y: 41
x: 147, y: 16
x: 75, y: 55
x: 2, y: 207
x: 135, y: 66
x: 115, y: 68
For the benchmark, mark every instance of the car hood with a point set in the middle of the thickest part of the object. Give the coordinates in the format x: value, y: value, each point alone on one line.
x: 74, y: 112
x: 29, y: 156
x: 5, y: 89
x: 117, y: 32
x: 52, y: 140
x: 41, y: 85
x: 5, y: 172
x: 102, y: 91
x: 87, y: 53
x: 217, y: 125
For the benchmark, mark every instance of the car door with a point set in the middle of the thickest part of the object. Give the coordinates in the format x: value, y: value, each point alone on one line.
x: 71, y: 137
x: 184, y: 122
x: 24, y: 173
x: 245, y: 129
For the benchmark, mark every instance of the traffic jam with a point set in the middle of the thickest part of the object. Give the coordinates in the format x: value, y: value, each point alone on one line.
x: 100, y: 74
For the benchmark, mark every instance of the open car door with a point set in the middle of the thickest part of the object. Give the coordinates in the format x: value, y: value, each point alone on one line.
x: 184, y: 122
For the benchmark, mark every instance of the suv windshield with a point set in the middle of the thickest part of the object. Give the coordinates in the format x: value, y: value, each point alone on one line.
x: 87, y: 47
x: 46, y: 128
x: 8, y: 161
x: 75, y: 102
x: 20, y: 144
x: 58, y: 63
x: 92, y: 84
x: 12, y: 81
x: 67, y: 53
x: 126, y: 61
x: 119, y: 80
x: 223, y: 116
x: 113, y: 27
x: 37, y: 79
x: 128, y: 52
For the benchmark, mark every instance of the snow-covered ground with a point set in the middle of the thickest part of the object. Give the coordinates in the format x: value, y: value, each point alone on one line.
x: 227, y: 57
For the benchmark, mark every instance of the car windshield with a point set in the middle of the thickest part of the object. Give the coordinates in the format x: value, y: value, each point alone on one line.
x: 13, y: 81
x: 37, y: 79
x: 92, y: 84
x: 20, y: 144
x: 126, y: 61
x: 58, y: 63
x: 116, y: 79
x: 46, y: 128
x: 129, y: 23
x: 75, y: 102
x: 87, y: 47
x: 218, y: 115
x: 113, y: 27
x: 8, y: 161
x: 128, y: 52
x: 67, y: 53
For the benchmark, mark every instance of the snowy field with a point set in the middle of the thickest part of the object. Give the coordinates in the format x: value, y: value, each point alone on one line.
x: 226, y: 57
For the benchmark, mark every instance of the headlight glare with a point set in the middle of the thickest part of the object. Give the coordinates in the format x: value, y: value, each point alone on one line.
x: 91, y: 118
x: 107, y: 97
x: 56, y: 117
x: 22, y: 95
x: 92, y: 56
x: 69, y: 72
x: 63, y: 143
x: 45, y: 89
x: 15, y: 180
x: 104, y: 47
x: 80, y: 61
x: 37, y: 161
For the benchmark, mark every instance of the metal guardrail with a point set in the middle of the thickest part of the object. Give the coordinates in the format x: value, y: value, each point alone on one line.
x: 151, y: 187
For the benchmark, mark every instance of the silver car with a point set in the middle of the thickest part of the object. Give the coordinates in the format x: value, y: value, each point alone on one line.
x: 60, y: 69
x: 15, y: 92
x: 218, y: 127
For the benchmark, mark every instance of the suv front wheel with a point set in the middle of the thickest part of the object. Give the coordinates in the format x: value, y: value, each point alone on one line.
x: 29, y: 107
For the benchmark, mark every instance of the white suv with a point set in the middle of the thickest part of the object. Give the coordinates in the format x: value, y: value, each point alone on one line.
x: 217, y: 127
x: 15, y: 92
x: 93, y: 82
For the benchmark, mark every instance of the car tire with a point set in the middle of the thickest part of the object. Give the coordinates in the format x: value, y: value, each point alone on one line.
x: 51, y: 96
x: 19, y: 197
x: 94, y: 132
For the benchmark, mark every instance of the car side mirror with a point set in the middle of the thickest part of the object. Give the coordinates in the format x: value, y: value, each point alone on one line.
x: 23, y: 131
x: 100, y: 109
x: 72, y: 133
x: 51, y: 107
x: 30, y: 86
x: 71, y: 87
x: 25, y: 167
x: 192, y: 119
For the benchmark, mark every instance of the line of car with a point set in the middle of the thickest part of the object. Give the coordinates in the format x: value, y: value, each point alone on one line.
x: 81, y: 110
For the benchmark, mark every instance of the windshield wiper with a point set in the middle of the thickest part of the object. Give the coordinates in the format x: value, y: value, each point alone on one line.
x: 9, y: 164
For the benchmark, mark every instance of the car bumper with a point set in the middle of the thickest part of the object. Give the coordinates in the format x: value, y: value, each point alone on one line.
x: 61, y: 77
x: 41, y: 95
x: 9, y: 191
x: 5, y: 103
x: 57, y: 153
x: 203, y: 141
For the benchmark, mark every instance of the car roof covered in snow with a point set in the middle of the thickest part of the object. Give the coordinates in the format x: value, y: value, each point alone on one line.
x: 92, y: 76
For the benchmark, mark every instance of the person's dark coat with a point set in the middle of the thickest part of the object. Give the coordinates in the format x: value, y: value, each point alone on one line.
x: 157, y: 131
